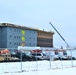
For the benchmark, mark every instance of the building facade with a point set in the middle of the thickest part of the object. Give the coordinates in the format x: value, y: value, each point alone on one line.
x: 44, y: 39
x: 12, y: 36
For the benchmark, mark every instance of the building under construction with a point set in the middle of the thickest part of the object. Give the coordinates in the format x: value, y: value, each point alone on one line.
x: 12, y: 36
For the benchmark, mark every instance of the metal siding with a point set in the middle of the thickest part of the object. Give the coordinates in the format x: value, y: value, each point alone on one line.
x: 3, y: 37
x: 14, y: 37
x: 17, y: 36
x: 0, y: 37
x: 31, y: 38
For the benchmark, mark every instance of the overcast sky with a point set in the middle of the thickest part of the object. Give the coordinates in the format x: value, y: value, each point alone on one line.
x: 38, y: 14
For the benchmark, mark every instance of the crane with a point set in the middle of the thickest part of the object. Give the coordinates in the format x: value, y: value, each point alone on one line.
x: 59, y: 34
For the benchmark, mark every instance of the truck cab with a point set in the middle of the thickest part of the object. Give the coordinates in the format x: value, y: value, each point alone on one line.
x: 62, y: 54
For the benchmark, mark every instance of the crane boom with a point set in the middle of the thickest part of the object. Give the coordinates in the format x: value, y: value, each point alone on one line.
x: 59, y: 34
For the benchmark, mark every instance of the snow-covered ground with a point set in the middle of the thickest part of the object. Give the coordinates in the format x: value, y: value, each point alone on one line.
x: 39, y: 68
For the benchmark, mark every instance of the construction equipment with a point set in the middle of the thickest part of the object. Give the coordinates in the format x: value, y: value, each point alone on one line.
x: 60, y: 35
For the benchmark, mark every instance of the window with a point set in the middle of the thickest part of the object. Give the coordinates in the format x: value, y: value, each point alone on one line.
x: 15, y: 30
x: 19, y: 44
x: 30, y: 44
x: 34, y: 44
x: 38, y: 33
x: 10, y: 36
x: 14, y: 43
x: 10, y: 29
x: 30, y: 37
x: 46, y: 40
x: 56, y: 53
x: 15, y: 36
x: 19, y: 30
x: 19, y: 37
x: 64, y: 53
x: 10, y: 42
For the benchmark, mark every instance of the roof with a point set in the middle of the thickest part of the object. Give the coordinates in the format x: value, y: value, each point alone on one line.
x: 24, y: 27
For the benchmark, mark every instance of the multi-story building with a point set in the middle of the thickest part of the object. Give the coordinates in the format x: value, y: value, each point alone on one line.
x: 44, y: 39
x: 12, y: 36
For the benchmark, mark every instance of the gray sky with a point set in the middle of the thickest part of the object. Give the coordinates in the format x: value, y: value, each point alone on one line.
x: 38, y: 14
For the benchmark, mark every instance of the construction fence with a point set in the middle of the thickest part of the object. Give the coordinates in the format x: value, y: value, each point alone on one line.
x: 33, y: 60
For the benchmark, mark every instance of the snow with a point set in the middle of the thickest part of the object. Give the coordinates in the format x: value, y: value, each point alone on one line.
x: 39, y: 68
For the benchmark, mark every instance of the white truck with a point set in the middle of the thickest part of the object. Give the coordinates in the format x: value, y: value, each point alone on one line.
x: 62, y: 54
x: 56, y: 54
x: 50, y: 52
x: 71, y: 54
